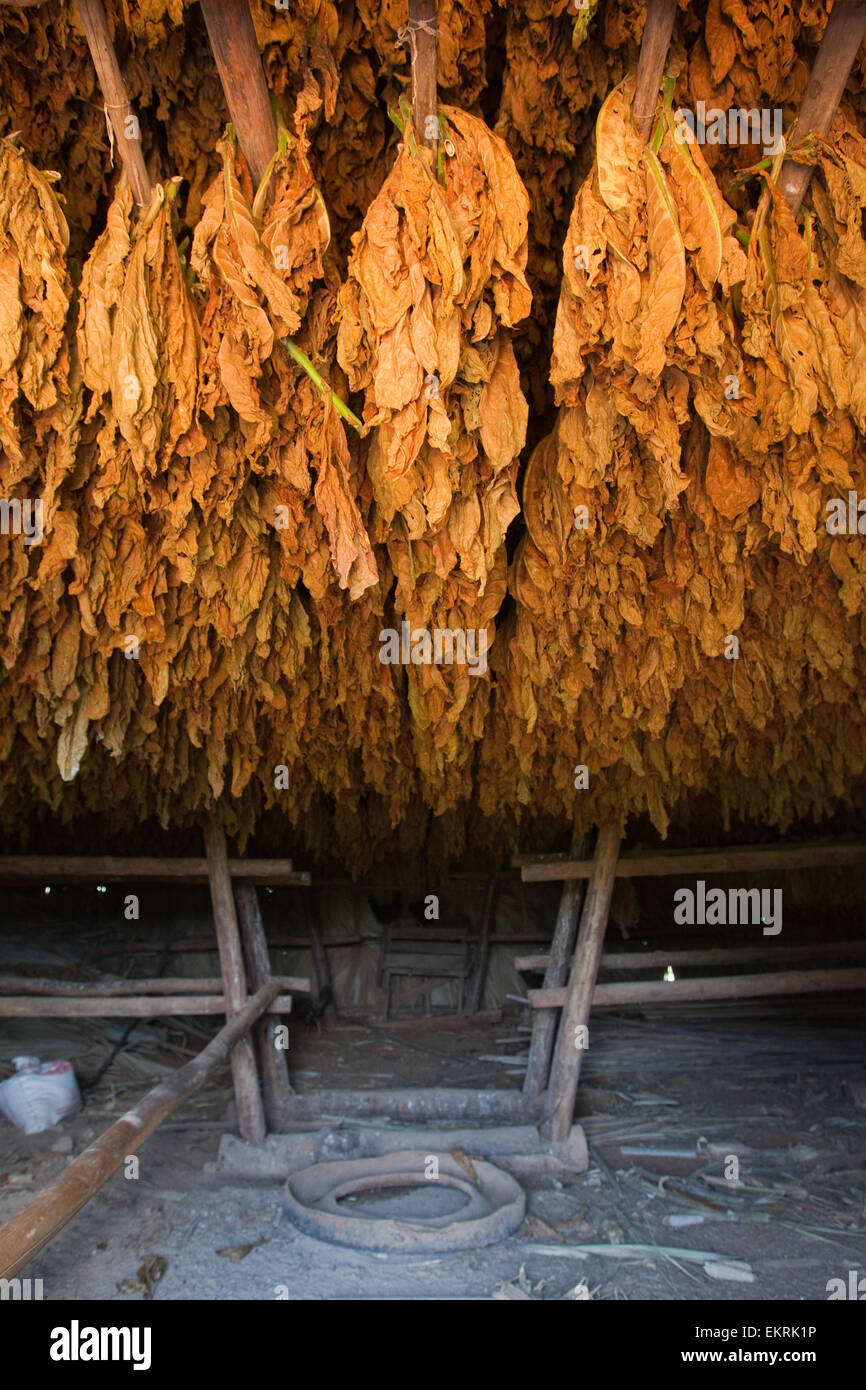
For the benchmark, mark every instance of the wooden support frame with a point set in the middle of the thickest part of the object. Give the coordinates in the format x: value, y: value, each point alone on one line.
x: 565, y: 1071
x: 251, y: 1115
x: 33, y: 1227
x: 556, y: 973
x: 273, y: 1065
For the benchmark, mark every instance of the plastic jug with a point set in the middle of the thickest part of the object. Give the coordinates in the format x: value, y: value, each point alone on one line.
x: 38, y: 1096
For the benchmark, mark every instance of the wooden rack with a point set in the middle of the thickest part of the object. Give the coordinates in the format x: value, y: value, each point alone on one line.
x: 243, y: 954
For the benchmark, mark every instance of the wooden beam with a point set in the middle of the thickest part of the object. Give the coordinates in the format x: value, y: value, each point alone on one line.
x: 423, y: 45
x: 107, y: 868
x: 835, y: 59
x: 657, y: 31
x: 412, y: 1104
x: 577, y: 999
x: 724, y: 955
x: 125, y: 1006
x: 114, y: 94
x: 273, y: 1063
x: 727, y: 987
x: 236, y: 52
x: 179, y: 984
x: 251, y: 1115
x: 666, y: 863
x: 39, y: 1221
x: 556, y: 968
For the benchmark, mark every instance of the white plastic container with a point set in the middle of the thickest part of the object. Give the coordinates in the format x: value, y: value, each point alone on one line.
x: 37, y: 1097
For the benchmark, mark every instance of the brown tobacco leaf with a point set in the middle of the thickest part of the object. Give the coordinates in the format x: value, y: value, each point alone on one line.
x: 436, y: 276
x: 662, y: 301
x: 35, y: 293
x: 260, y: 261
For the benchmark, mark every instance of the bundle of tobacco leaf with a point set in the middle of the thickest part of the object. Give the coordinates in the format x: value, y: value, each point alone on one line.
x: 40, y: 413
x: 652, y: 586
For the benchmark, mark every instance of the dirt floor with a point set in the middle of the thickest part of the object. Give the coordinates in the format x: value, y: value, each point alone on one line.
x: 777, y: 1087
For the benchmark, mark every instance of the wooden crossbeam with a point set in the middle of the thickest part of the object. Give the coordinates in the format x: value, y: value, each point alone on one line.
x: 723, y: 955
x: 726, y: 987
x: 660, y: 863
x: 126, y: 1006
x: 179, y: 984
x: 85, y: 868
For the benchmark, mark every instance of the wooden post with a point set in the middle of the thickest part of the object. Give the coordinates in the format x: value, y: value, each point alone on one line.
x: 838, y: 49
x: 38, y: 1222
x: 425, y: 65
x: 251, y: 1117
x: 484, y: 943
x: 320, y: 959
x: 273, y: 1064
x: 236, y: 51
x: 556, y: 973
x: 565, y: 1072
x: 124, y: 121
x: 656, y: 41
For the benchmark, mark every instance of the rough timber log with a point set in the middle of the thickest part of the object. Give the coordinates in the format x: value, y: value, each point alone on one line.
x: 251, y: 1115
x: 565, y: 1071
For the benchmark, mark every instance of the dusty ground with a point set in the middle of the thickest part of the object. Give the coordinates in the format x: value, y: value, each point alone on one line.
x: 779, y: 1091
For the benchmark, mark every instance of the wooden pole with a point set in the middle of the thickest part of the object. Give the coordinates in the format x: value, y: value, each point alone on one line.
x: 565, y: 1072
x: 236, y: 51
x: 320, y: 960
x: 556, y: 973
x: 33, y: 1227
x: 251, y: 1117
x: 487, y: 920
x: 835, y: 59
x: 124, y: 122
x: 423, y: 44
x: 655, y: 43
x: 273, y: 1064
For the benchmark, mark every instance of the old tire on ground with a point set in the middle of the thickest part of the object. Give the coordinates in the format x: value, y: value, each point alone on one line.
x: 490, y: 1213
